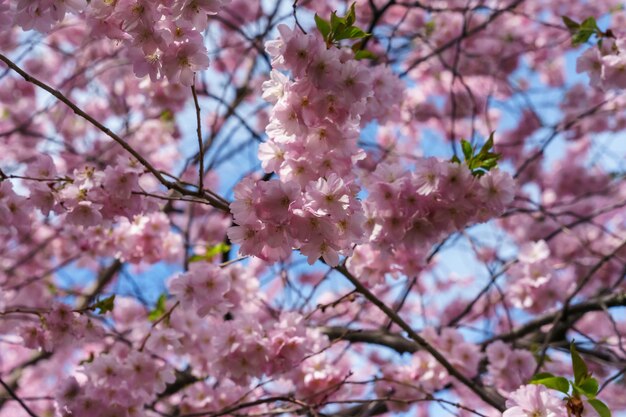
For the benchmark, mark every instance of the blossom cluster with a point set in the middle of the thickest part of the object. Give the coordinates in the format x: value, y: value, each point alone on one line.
x: 508, y: 368
x: 89, y: 197
x: 537, y: 281
x: 243, y: 346
x: 424, y: 375
x: 12, y: 210
x: 146, y: 238
x: 161, y: 38
x: 312, y: 146
x: 206, y: 288
x: 420, y: 378
x: 59, y: 327
x: 248, y: 348
x: 408, y: 211
x: 273, y: 217
x: 605, y: 65
x: 114, y: 384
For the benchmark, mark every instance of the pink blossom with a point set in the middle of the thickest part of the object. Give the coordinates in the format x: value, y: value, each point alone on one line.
x: 355, y: 80
x: 182, y: 61
x: 615, y: 71
x: 591, y: 63
x: 534, y: 400
x: 85, y: 214
x: 196, y: 11
x: 42, y: 167
x: 496, y: 190
x: 328, y: 196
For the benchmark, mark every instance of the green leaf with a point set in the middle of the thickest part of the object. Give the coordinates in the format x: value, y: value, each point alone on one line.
x: 364, y: 54
x: 474, y: 163
x: 589, y: 387
x: 167, y: 115
x: 581, y: 37
x: 351, y: 15
x: 467, y: 149
x: 541, y: 375
x: 586, y: 29
x: 217, y: 250
x: 429, y: 28
x: 484, y: 160
x: 210, y: 253
x: 554, y: 382
x: 489, y: 164
x: 455, y: 159
x: 105, y: 305
x: 323, y: 26
x: 159, y: 309
x: 579, y: 366
x: 600, y: 407
x: 589, y: 24
x: 336, y: 21
x: 197, y: 258
x: 488, y: 145
x: 351, y: 32
x: 571, y: 24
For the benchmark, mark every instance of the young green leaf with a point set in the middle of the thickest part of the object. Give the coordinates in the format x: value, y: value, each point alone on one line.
x: 336, y: 21
x: 541, y: 375
x: 429, y: 28
x: 589, y: 24
x: 589, y: 387
x: 570, y: 24
x: 196, y: 258
x: 210, y: 253
x: 159, y: 309
x: 217, y: 249
x: 323, y: 26
x: 554, y: 382
x: 351, y: 15
x: 364, y: 54
x: 579, y: 366
x: 488, y: 144
x: 600, y: 407
x: 104, y: 305
x: 467, y: 150
x: 351, y: 32
x: 586, y: 29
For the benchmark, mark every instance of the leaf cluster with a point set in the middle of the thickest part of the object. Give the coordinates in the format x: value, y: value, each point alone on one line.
x: 340, y: 28
x: 103, y: 305
x: 159, y: 309
x: 582, y: 385
x: 583, y: 31
x: 479, y: 162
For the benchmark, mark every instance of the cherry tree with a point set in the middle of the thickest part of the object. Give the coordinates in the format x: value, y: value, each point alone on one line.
x: 322, y: 208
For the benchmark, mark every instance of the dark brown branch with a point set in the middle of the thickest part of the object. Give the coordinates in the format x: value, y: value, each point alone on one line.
x: 496, y: 402
x: 215, y: 202
x: 199, y: 132
x: 401, y: 344
x: 18, y: 399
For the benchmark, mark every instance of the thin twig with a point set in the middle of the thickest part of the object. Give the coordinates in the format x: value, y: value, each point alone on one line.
x: 295, y: 16
x: 18, y: 399
x: 199, y: 131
